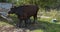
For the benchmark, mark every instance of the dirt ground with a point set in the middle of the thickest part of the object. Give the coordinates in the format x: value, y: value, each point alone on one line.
x: 13, y: 29
x: 9, y: 28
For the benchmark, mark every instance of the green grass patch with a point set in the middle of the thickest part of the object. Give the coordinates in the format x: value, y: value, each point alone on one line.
x: 44, y: 24
x: 4, y: 24
x: 39, y: 30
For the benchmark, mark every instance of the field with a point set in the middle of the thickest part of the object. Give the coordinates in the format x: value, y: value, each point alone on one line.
x: 44, y: 24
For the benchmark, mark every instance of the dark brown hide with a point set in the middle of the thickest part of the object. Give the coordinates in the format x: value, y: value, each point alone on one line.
x: 25, y: 12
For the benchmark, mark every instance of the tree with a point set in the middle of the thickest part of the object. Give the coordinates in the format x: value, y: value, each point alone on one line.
x: 41, y: 3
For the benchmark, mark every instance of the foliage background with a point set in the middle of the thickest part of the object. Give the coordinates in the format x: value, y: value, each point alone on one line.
x: 45, y: 24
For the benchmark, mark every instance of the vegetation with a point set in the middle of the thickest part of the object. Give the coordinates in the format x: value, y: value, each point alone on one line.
x: 45, y: 24
x: 41, y: 3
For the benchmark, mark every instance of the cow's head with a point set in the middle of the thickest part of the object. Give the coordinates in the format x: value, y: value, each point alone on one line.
x: 12, y: 10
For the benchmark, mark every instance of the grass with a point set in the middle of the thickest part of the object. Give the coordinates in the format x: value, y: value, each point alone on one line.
x: 44, y: 24
x: 39, y: 30
x: 48, y: 27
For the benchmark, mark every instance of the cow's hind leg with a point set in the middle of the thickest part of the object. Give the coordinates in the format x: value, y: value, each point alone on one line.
x: 35, y: 19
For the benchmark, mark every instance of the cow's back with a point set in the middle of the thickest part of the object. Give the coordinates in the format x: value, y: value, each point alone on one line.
x: 28, y: 10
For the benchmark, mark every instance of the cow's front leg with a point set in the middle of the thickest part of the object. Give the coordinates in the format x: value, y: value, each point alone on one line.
x: 27, y: 22
x: 19, y: 23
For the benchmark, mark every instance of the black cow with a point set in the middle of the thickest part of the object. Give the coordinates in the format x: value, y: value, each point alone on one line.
x: 25, y: 12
